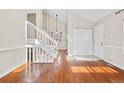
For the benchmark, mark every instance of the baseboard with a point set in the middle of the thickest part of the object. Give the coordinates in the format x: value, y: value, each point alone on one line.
x: 121, y: 67
x: 10, y: 70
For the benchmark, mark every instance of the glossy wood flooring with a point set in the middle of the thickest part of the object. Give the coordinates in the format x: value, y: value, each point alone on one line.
x: 66, y: 70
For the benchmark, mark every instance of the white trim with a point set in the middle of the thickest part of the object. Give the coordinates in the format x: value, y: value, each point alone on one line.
x: 10, y: 70
x: 108, y: 46
x: 119, y: 66
x: 123, y: 38
x: 26, y: 30
x: 84, y: 28
x: 12, y: 48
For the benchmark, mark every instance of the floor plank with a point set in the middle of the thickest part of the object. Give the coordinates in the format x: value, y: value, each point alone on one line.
x: 65, y: 70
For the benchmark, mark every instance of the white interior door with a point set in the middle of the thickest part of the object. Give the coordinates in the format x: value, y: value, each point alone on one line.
x: 82, y: 42
x: 99, y: 41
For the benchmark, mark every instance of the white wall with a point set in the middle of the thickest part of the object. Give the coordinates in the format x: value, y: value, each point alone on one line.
x: 113, y: 31
x: 12, y: 40
x: 75, y: 22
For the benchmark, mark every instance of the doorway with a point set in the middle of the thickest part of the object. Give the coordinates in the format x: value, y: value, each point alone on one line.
x: 32, y: 18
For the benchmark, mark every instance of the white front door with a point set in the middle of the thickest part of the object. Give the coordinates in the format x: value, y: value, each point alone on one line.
x: 99, y: 41
x: 82, y: 42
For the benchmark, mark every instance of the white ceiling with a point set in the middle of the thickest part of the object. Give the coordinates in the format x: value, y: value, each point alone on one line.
x: 92, y: 15
x: 62, y: 14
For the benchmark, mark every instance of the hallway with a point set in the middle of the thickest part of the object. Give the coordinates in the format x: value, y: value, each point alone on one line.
x: 65, y: 70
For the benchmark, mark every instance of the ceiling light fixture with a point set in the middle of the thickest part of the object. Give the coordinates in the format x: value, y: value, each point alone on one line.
x: 56, y: 24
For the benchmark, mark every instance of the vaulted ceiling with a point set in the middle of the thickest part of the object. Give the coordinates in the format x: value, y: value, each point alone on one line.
x: 92, y: 15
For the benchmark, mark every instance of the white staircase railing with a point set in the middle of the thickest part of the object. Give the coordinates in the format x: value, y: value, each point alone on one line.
x: 40, y: 46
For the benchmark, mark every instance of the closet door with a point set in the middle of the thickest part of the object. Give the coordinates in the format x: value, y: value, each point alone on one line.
x: 99, y: 41
x: 82, y: 42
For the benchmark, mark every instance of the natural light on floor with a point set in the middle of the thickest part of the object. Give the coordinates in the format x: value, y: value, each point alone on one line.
x: 87, y: 69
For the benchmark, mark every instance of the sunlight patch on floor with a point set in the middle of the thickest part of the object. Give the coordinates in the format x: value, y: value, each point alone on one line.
x: 85, y: 69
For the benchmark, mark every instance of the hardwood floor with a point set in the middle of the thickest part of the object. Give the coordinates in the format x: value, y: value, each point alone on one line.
x: 65, y: 70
